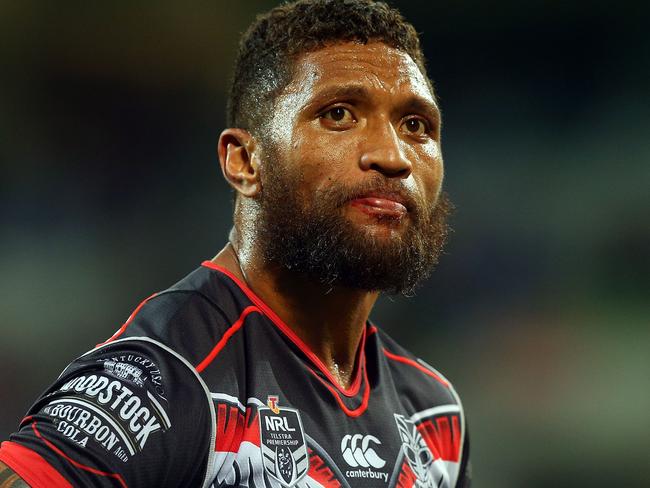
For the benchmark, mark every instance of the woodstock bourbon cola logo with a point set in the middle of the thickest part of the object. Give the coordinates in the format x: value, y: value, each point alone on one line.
x: 284, y: 451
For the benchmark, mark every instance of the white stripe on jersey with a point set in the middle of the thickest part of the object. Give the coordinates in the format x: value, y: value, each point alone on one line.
x: 431, y: 412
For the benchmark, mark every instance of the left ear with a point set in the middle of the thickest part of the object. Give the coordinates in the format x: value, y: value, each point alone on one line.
x: 239, y: 160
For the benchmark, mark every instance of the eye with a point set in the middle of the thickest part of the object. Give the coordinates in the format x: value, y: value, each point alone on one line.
x: 415, y: 126
x: 338, y: 115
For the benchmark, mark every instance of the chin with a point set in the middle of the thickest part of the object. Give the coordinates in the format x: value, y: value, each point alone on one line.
x: 381, y: 229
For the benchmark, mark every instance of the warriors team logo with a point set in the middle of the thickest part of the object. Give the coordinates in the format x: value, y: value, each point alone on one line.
x: 416, y: 451
x: 282, y: 441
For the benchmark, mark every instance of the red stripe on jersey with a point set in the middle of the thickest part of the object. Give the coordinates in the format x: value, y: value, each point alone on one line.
x: 121, y: 330
x: 320, y: 472
x: 350, y: 412
x: 26, y: 419
x: 230, y: 428
x: 75, y: 463
x: 252, y: 429
x: 31, y: 467
x: 415, y: 364
x: 233, y: 428
x: 225, y: 338
x: 406, y: 478
x: 442, y: 437
x: 354, y: 387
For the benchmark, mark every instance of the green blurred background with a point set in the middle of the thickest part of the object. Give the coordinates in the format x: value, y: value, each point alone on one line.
x: 539, y: 313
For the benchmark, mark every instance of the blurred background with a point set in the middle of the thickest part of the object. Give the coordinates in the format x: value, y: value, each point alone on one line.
x: 110, y: 190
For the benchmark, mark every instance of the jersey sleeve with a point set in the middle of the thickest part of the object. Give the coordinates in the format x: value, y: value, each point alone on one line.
x: 130, y: 413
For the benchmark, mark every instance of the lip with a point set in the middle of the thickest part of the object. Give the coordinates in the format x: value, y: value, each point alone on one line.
x: 383, y: 205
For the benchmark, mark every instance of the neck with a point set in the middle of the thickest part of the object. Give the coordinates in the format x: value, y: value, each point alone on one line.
x: 330, y: 320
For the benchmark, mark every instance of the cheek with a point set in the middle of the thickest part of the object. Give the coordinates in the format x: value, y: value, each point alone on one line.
x: 430, y: 155
x: 428, y: 171
x: 323, y: 157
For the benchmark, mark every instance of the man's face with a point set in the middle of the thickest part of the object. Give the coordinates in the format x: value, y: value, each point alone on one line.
x: 352, y: 170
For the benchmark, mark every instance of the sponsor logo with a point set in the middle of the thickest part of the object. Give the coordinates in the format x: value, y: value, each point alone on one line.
x: 416, y: 451
x: 125, y: 371
x: 146, y: 365
x: 282, y: 442
x: 79, y: 420
x: 118, y: 406
x: 359, y: 451
x: 272, y: 402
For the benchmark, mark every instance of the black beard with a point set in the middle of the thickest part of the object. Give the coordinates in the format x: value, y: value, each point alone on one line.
x: 317, y: 241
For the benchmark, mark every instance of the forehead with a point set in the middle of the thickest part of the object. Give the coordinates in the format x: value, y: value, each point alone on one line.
x: 375, y: 65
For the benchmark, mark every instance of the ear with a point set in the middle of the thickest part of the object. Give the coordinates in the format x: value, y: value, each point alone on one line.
x: 239, y: 160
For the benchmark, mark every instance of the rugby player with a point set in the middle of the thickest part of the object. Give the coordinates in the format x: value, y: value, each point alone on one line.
x: 261, y: 367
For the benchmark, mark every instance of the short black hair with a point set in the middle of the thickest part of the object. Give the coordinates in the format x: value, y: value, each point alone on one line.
x: 268, y: 48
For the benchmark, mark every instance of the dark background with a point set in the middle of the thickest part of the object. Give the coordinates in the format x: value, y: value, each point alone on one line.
x: 110, y: 190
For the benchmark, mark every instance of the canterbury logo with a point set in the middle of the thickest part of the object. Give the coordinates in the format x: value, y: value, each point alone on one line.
x: 358, y: 453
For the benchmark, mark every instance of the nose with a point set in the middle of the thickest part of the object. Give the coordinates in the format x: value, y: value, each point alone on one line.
x: 383, y: 152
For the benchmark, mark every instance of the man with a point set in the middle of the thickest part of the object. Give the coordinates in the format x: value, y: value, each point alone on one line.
x: 261, y: 368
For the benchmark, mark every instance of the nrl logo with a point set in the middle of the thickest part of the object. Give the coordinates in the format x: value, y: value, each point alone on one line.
x: 282, y: 441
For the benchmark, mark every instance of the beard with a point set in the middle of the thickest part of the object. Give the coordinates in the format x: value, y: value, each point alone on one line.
x: 314, y: 238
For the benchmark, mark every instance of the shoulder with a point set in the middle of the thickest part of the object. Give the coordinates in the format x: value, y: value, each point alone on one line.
x: 433, y: 406
x: 187, y: 318
x: 118, y: 411
x: 413, y: 377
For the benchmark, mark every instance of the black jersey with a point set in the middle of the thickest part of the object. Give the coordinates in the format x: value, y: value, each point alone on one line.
x: 204, y: 385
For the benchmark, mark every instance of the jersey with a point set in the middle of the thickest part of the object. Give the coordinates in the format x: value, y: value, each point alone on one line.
x: 205, y: 386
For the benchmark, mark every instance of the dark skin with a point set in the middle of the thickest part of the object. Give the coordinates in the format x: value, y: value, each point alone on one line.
x: 352, y: 111
x: 9, y: 479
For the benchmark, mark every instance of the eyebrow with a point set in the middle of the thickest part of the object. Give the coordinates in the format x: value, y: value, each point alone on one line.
x: 339, y: 91
x: 422, y: 106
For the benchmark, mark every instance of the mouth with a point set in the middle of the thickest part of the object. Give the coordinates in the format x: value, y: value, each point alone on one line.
x: 381, y: 205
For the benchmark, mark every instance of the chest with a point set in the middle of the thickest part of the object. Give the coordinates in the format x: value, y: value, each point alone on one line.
x: 287, y: 427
